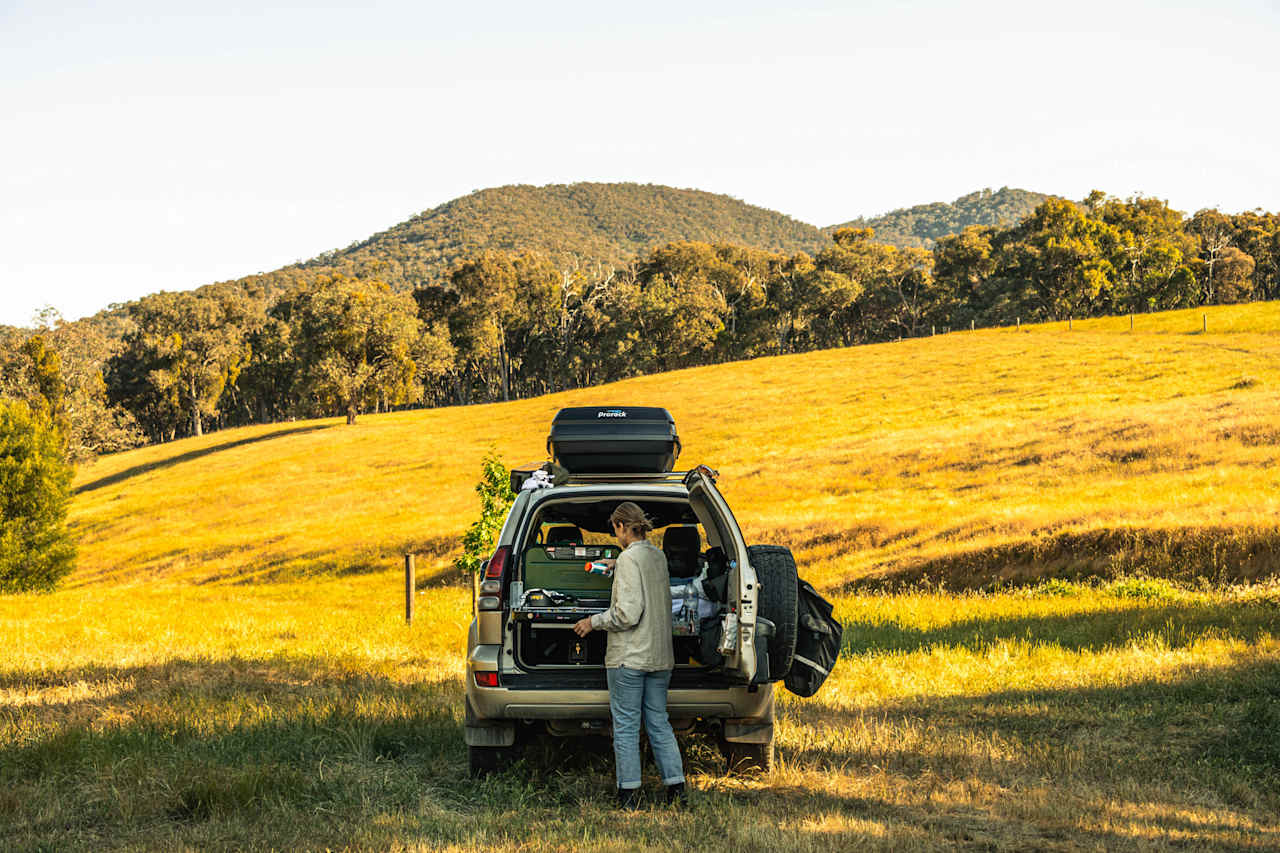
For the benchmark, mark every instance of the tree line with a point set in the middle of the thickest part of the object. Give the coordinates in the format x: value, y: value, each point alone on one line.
x: 508, y: 324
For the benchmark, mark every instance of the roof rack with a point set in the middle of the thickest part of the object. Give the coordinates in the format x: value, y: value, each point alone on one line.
x: 629, y: 478
x: 522, y: 473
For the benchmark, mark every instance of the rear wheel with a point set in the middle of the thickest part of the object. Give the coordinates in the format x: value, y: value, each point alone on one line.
x: 776, y: 572
x: 483, y: 760
x: 745, y: 759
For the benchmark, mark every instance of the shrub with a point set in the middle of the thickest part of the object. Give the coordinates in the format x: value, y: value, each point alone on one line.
x: 36, y: 550
x: 496, y: 498
x: 1056, y: 587
x: 1148, y: 589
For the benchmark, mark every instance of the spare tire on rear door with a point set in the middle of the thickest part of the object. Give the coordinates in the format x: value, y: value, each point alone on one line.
x: 776, y: 572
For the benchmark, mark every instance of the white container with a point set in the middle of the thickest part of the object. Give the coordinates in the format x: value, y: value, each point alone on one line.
x: 729, y: 634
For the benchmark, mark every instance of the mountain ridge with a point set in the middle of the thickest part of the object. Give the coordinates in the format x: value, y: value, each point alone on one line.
x: 605, y: 222
x: 610, y: 223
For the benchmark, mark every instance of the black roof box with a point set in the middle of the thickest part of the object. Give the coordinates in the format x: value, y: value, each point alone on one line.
x: 614, y: 440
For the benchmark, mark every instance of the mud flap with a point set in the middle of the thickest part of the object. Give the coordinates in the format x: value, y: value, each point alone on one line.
x: 478, y: 732
x: 748, y: 730
x: 497, y: 734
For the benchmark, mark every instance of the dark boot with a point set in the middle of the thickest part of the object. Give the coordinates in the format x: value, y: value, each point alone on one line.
x: 676, y: 795
x: 629, y: 798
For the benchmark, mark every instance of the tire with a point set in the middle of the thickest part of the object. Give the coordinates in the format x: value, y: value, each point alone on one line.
x: 484, y: 760
x: 746, y: 759
x: 776, y: 573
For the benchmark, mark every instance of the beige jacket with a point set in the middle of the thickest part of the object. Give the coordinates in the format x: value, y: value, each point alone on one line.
x: 639, y: 616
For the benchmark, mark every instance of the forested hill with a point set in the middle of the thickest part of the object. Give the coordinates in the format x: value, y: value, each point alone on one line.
x: 925, y: 223
x: 610, y: 223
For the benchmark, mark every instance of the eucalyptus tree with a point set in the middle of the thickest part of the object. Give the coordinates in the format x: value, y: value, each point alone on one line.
x: 175, y: 363
x: 353, y: 341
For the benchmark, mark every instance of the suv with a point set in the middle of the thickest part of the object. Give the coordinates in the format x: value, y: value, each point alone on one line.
x: 734, y: 605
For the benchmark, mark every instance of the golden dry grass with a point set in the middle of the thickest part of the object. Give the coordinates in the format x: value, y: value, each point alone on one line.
x: 229, y: 667
x: 869, y: 460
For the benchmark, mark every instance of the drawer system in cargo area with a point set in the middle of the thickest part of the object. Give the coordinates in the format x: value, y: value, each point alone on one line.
x: 542, y: 639
x: 563, y: 568
x: 557, y: 592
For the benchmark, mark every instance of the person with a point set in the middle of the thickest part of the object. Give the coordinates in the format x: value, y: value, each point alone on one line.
x: 639, y: 657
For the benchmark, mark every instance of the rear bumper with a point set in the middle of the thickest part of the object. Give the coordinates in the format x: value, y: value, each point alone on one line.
x: 500, y: 703
x: 550, y: 695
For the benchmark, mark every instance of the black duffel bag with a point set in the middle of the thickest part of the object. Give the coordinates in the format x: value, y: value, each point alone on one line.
x: 817, y: 642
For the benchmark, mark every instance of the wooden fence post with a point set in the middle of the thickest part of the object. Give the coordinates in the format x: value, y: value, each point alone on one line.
x: 1070, y: 320
x: 1204, y: 322
x: 1131, y: 322
x: 410, y: 582
x: 971, y: 322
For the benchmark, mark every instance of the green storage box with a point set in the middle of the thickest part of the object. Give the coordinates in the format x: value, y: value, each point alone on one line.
x: 564, y: 568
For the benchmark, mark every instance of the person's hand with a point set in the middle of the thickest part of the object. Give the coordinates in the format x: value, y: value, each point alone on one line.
x: 583, y: 627
x: 609, y: 561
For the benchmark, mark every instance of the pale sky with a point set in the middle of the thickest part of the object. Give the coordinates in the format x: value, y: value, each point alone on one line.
x: 165, y: 145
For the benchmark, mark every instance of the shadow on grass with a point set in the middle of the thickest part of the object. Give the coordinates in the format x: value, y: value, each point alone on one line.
x: 1211, y: 729
x: 118, y: 749
x: 1218, y: 554
x: 136, y: 470
x: 1191, y: 762
x: 304, y: 753
x: 936, y: 825
x: 1174, y: 625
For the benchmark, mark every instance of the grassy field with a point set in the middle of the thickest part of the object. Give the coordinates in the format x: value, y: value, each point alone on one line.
x: 1055, y: 553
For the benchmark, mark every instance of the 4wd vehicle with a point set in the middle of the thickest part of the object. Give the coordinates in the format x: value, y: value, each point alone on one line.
x: 734, y: 607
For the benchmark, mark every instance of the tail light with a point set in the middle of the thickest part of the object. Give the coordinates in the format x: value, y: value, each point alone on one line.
x: 494, y: 580
x: 486, y: 679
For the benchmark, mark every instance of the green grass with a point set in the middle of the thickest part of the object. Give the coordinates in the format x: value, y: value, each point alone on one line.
x: 1054, y: 553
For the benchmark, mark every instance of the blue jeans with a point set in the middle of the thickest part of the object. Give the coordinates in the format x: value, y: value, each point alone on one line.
x: 634, y: 695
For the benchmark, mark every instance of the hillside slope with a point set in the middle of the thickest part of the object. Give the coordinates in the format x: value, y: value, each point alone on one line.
x: 923, y: 224
x: 967, y: 457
